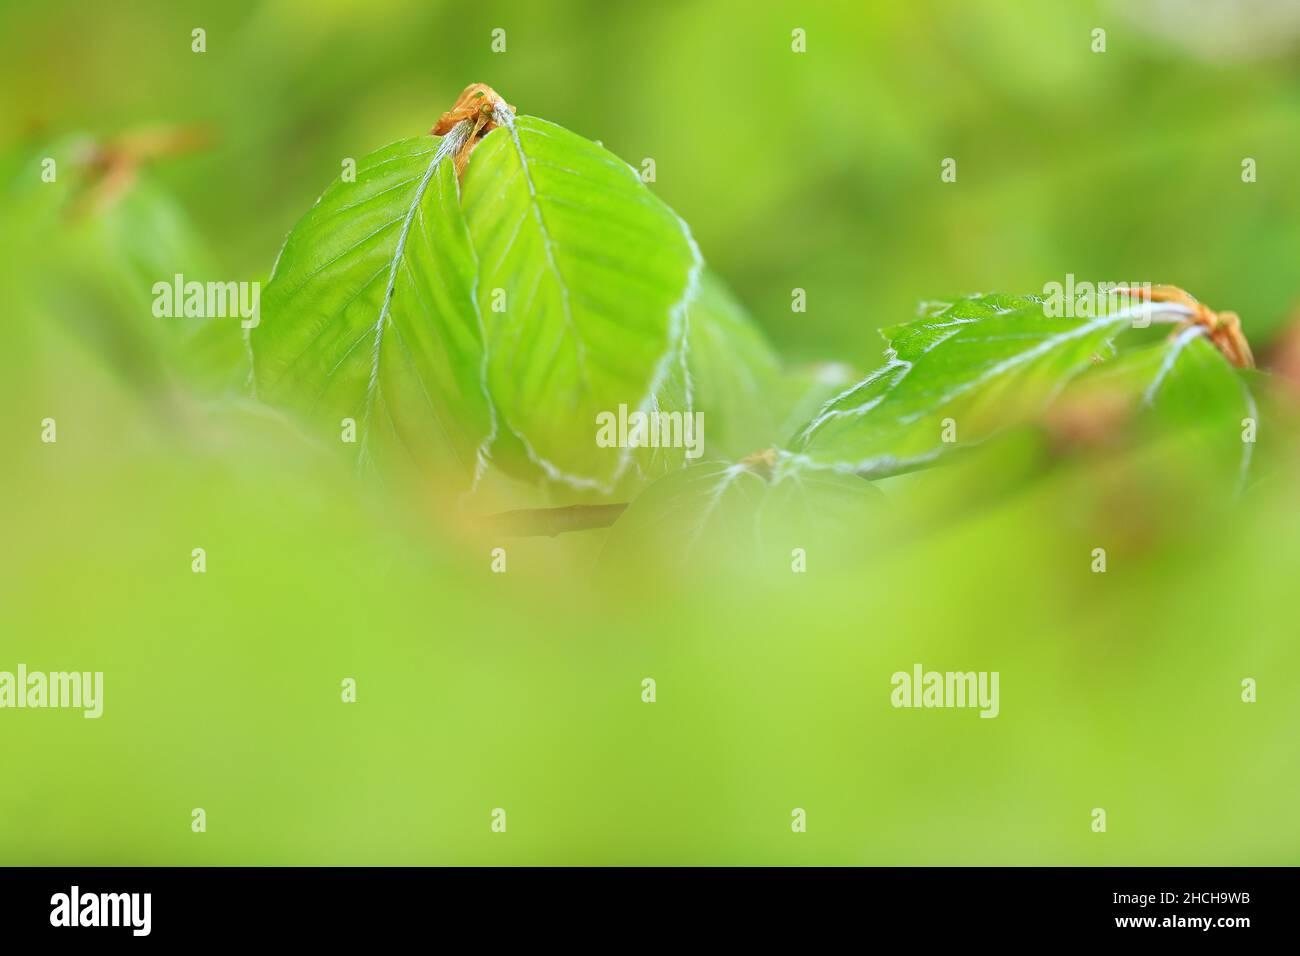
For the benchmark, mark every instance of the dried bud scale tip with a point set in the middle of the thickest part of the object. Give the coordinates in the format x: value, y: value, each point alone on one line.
x: 761, y: 463
x: 477, y: 105
x: 1224, y: 328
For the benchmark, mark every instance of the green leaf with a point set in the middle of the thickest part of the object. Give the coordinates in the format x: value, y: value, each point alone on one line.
x: 749, y: 514
x: 599, y: 278
x: 961, y: 372
x: 735, y: 375
x: 1187, y: 390
x: 96, y: 264
x: 371, y: 315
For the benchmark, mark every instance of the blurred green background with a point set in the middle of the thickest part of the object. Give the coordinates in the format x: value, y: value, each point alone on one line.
x: 818, y: 171
x: 523, y: 691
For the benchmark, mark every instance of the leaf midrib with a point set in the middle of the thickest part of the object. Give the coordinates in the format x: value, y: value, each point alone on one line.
x: 449, y: 144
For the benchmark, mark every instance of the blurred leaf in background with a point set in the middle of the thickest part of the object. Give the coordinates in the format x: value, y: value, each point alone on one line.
x: 818, y: 170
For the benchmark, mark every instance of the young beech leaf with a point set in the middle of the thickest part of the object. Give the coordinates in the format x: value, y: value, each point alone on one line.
x: 735, y: 375
x: 1168, y: 411
x: 1185, y: 389
x: 371, y: 314
x: 102, y: 250
x: 763, y: 513
x: 594, y: 279
x: 952, y: 378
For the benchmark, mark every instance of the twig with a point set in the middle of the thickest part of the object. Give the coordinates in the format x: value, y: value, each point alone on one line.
x: 532, y: 522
